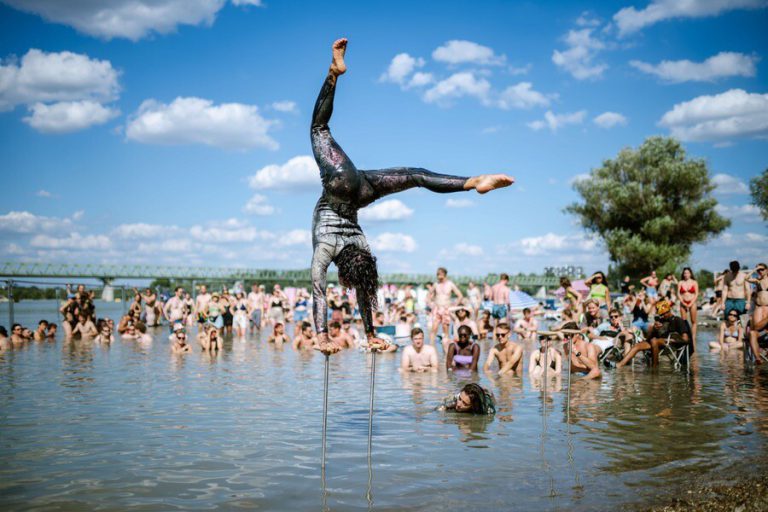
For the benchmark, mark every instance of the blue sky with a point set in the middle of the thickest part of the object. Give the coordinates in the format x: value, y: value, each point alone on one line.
x: 178, y: 133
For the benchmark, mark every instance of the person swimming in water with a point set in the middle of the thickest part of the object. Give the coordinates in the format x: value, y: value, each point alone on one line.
x: 472, y: 399
x: 336, y: 234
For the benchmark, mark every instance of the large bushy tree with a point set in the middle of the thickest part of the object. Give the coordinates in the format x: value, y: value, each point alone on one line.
x: 649, y: 205
x: 758, y: 186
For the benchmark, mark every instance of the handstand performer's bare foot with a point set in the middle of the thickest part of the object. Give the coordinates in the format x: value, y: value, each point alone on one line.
x: 487, y: 182
x: 339, y: 49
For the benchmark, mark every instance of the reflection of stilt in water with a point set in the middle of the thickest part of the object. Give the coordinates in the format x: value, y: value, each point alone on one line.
x: 577, y: 487
x: 325, y: 491
x: 545, y: 464
x: 369, y: 491
x: 325, y: 412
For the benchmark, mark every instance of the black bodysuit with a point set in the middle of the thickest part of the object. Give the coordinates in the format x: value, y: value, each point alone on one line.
x: 345, y: 191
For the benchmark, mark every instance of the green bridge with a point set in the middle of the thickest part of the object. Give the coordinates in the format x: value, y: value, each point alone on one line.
x: 109, y: 273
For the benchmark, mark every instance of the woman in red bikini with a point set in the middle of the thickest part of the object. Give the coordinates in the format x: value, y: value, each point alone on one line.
x: 688, y: 291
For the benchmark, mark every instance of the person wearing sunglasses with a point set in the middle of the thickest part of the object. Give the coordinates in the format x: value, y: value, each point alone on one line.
x: 180, y: 345
x: 730, y: 335
x: 507, y: 353
x: 666, y: 325
x: 545, y: 352
x: 105, y: 335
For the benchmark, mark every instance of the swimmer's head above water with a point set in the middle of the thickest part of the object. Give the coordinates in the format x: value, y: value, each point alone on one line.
x: 472, y: 399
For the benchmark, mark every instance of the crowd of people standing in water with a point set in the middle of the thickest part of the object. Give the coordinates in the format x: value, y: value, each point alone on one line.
x: 440, y: 326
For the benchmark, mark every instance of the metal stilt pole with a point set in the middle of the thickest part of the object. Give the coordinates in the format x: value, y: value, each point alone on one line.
x: 325, y: 409
x: 568, y: 402
x: 369, y: 493
x: 10, y: 303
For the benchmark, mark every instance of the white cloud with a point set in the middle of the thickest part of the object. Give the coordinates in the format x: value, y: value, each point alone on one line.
x: 72, y: 241
x: 459, y: 203
x: 610, y: 119
x: 552, y: 243
x: 724, y: 64
x: 229, y: 232
x: 43, y: 193
x: 734, y: 113
x: 68, y: 116
x: 285, y: 106
x: 295, y: 237
x: 586, y: 19
x: 259, y: 205
x: 173, y: 245
x: 521, y: 95
x: 578, y: 59
x: 461, y: 52
x: 50, y: 77
x: 461, y: 250
x: 457, y: 86
x: 742, y: 213
x: 400, y: 69
x: 300, y: 172
x: 420, y: 79
x: 141, y: 230
x: 578, y: 178
x: 727, y: 184
x: 393, y: 242
x: 199, y: 121
x: 556, y: 121
x: 391, y: 209
x: 522, y: 70
x: 130, y: 19
x: 631, y: 20
x: 26, y: 222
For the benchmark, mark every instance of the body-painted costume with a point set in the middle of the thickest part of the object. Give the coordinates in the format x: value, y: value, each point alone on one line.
x: 345, y: 190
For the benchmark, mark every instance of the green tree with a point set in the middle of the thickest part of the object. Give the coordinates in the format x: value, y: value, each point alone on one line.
x: 758, y: 186
x: 649, y: 205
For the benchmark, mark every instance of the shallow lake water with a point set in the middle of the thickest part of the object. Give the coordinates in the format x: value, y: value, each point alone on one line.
x: 86, y: 427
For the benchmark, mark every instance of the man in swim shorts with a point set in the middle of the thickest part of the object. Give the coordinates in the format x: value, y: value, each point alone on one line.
x: 500, y: 297
x: 442, y: 301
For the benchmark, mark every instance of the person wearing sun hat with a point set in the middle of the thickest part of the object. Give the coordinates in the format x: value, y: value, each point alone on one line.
x: 665, y: 325
x: 462, y: 315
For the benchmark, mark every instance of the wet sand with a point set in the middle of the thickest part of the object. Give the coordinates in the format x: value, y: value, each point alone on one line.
x: 743, y: 488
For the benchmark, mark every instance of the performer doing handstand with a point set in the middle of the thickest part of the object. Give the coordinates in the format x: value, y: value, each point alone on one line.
x: 336, y: 235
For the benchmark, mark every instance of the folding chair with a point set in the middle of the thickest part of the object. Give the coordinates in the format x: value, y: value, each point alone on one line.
x: 762, y: 342
x: 677, y: 351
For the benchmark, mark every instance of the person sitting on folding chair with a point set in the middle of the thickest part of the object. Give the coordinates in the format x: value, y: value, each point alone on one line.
x: 666, y: 328
x: 612, y: 338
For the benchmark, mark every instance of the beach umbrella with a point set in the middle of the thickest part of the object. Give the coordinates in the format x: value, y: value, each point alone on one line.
x: 521, y: 300
x: 579, y: 286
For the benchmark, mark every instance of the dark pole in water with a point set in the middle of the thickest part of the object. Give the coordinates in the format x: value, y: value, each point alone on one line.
x: 325, y: 410
x: 568, y: 402
x: 10, y: 302
x: 370, y: 406
x: 369, y: 494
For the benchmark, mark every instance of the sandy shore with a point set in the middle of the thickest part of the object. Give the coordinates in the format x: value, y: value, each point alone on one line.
x: 746, y: 493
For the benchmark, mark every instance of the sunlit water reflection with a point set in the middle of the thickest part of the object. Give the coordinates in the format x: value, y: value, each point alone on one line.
x: 89, y: 427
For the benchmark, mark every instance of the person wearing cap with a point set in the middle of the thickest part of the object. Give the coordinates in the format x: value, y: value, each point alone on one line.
x: 666, y: 325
